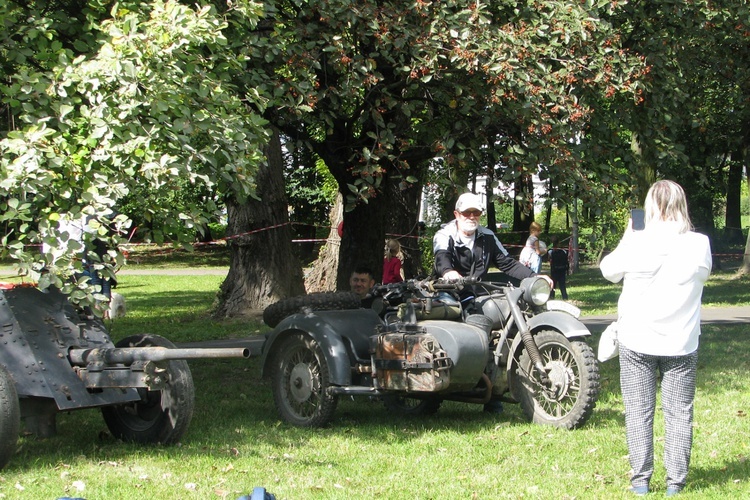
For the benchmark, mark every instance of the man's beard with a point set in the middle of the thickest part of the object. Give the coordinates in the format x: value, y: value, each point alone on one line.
x: 467, y: 226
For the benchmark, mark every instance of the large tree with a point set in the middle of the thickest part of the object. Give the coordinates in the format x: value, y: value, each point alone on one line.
x: 376, y: 89
x: 389, y: 85
x: 693, y: 112
x: 260, y: 244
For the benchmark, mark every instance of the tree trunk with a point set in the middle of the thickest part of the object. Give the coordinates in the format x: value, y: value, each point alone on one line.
x: 363, y: 239
x: 523, y: 208
x: 733, y: 217
x: 745, y: 269
x: 573, y: 253
x: 645, y: 172
x: 403, y: 225
x: 488, y: 192
x: 548, y: 204
x: 263, y: 267
x: 322, y: 275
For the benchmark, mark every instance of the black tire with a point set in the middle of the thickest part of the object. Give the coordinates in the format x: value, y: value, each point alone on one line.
x: 161, y: 416
x: 413, y: 407
x: 10, y: 417
x: 319, y: 301
x: 574, y: 372
x: 299, y: 379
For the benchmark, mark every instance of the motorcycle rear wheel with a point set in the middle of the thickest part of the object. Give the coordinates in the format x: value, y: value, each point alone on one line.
x: 574, y: 374
x: 300, y: 378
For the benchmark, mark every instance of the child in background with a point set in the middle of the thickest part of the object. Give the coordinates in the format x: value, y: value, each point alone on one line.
x: 531, y: 255
x: 392, y: 272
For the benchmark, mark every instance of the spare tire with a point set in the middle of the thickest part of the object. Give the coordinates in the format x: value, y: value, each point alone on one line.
x: 318, y: 301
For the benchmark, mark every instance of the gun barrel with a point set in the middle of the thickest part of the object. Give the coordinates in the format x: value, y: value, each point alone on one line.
x: 128, y: 355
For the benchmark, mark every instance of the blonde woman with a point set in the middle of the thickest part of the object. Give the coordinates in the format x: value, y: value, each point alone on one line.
x: 663, y: 268
x: 392, y: 272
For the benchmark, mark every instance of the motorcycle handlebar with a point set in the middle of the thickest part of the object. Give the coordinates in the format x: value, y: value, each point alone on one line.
x: 428, y: 285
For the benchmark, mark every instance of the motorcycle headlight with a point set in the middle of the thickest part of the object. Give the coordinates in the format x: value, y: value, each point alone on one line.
x: 536, y: 290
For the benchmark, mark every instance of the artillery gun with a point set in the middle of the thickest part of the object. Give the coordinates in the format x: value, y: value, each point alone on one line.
x: 52, y: 359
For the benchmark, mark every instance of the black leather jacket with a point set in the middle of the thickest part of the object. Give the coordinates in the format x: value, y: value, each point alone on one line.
x: 451, y: 254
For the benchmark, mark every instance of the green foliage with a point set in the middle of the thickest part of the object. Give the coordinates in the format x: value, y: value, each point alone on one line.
x: 559, y: 222
x: 311, y: 190
x: 388, y: 87
x: 691, y: 114
x: 425, y: 247
x: 152, y: 108
x: 143, y: 205
x: 504, y: 213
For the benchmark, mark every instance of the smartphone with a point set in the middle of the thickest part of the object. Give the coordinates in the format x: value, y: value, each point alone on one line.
x: 638, y: 216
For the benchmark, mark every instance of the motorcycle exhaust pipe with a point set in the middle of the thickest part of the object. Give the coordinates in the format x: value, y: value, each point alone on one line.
x: 473, y: 399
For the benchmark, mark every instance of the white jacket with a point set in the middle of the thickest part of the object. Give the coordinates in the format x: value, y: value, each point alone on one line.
x: 664, y: 272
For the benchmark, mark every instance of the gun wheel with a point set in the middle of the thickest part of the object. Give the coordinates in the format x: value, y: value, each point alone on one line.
x: 161, y: 416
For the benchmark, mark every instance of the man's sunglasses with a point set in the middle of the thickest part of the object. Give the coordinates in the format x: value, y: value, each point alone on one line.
x: 469, y: 213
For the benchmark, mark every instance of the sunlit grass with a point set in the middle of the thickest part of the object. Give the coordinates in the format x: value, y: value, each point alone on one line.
x: 236, y: 441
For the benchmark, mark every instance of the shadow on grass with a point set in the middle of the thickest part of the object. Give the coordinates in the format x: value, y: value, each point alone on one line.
x: 167, y: 256
x: 723, y: 473
x: 235, y: 410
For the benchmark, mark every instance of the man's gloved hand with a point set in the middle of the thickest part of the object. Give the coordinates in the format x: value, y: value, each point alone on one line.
x: 452, y: 275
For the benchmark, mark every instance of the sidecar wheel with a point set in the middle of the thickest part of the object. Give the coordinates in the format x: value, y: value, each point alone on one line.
x: 404, y: 405
x: 300, y: 378
x: 318, y: 301
x: 10, y: 417
x: 574, y: 374
x: 160, y: 416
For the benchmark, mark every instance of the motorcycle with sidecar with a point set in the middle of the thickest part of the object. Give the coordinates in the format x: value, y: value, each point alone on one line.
x: 425, y: 342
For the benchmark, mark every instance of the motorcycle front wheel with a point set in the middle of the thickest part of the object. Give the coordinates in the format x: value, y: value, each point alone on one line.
x: 299, y: 379
x: 568, y: 398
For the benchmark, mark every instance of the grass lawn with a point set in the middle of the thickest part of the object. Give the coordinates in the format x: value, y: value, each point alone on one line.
x: 236, y: 442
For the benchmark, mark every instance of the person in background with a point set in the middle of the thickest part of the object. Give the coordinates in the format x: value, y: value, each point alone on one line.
x: 663, y: 268
x: 559, y: 266
x: 392, y: 270
x: 533, y: 250
x: 72, y: 230
x: 361, y: 282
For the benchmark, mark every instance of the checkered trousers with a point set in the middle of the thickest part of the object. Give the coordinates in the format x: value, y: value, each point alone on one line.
x: 638, y: 378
